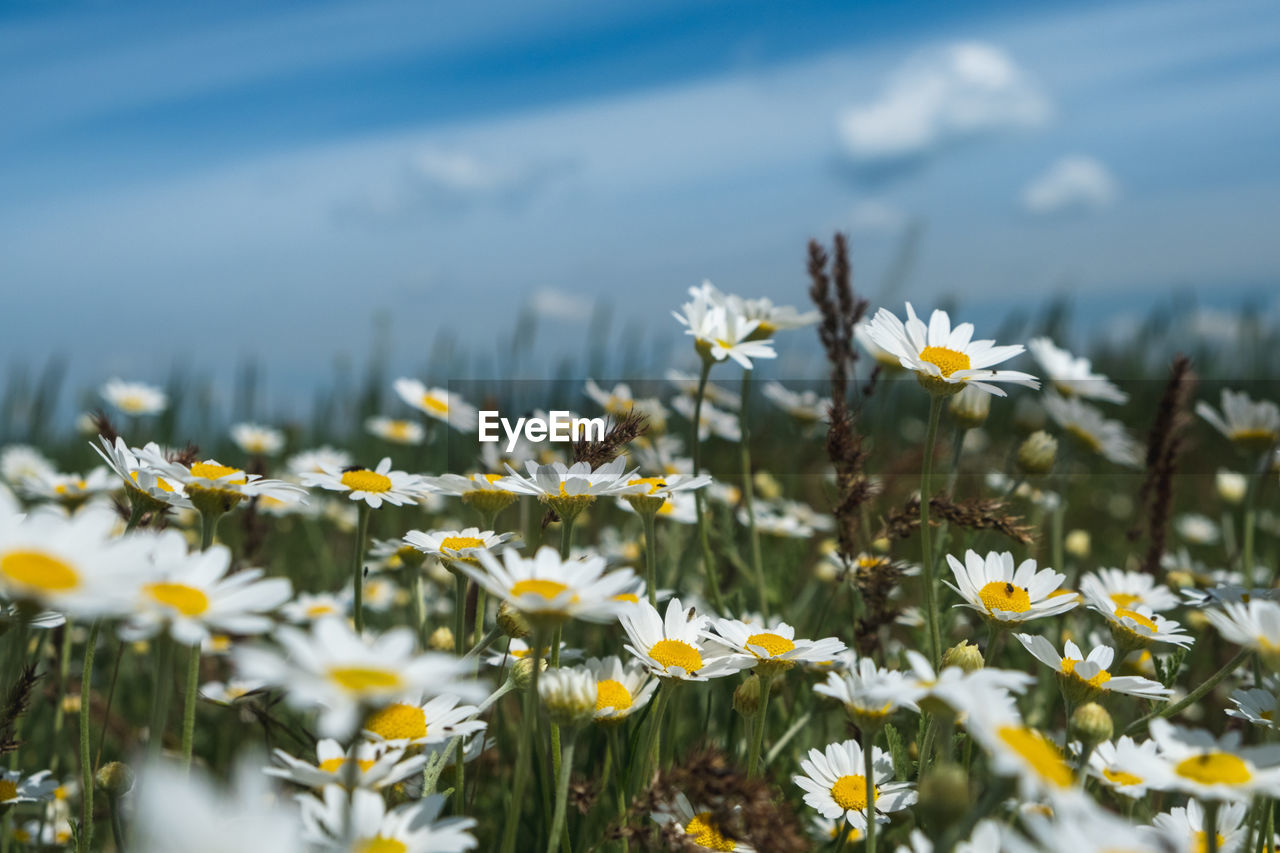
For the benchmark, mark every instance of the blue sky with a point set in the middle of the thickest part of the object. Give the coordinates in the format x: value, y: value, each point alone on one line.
x: 187, y: 182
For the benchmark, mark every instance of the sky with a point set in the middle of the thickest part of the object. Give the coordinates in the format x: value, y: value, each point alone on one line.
x: 200, y: 184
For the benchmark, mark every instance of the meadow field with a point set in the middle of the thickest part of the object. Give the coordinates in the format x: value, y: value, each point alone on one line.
x: 956, y: 583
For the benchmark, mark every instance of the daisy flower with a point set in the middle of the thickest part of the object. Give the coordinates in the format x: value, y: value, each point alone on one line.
x: 136, y: 399
x: 318, y: 460
x: 946, y: 359
x: 227, y: 692
x: 557, y: 480
x: 680, y: 507
x: 1253, y: 624
x: 44, y: 833
x: 1134, y: 627
x: 960, y: 690
x: 20, y: 461
x: 882, y: 357
x: 699, y: 827
x: 364, y: 823
x: 439, y: 404
x: 211, y: 481
x: 835, y: 785
x: 806, y: 406
x: 1183, y: 827
x: 1008, y: 596
x: 141, y: 480
x: 1125, y: 589
x: 1195, y: 762
x: 373, y: 486
x: 377, y: 766
x: 340, y: 673
x: 1073, y: 376
x: 720, y: 330
x: 16, y: 788
x: 460, y: 486
x: 519, y: 650
x: 548, y: 590
x: 411, y: 723
x: 257, y: 439
x: 620, y: 690
x: 1107, y: 438
x: 309, y: 607
x: 1196, y: 528
x: 771, y: 318
x: 1017, y: 749
x: 191, y: 596
x: 687, y: 384
x: 619, y: 401
x: 1255, y: 705
x: 770, y: 649
x: 70, y: 490
x: 1113, y: 764
x: 454, y: 545
x: 396, y: 431
x: 1085, y: 828
x: 711, y: 421
x: 673, y: 647
x: 1085, y: 679
x: 870, y: 695
x: 1252, y: 424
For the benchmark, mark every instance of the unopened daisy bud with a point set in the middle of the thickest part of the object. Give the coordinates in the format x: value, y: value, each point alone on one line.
x: 115, y: 778
x: 882, y: 544
x: 965, y: 655
x: 569, y: 696
x: 522, y: 672
x: 944, y: 795
x: 746, y: 699
x: 826, y: 571
x: 1091, y: 724
x: 441, y: 639
x: 1028, y: 415
x: 71, y: 704
x: 1232, y: 485
x: 767, y: 486
x: 1078, y: 543
x: 1037, y: 453
x: 511, y: 622
x: 970, y: 407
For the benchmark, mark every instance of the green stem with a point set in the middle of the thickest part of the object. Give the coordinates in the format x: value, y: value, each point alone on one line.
x: 357, y: 564
x: 162, y: 688
x: 842, y: 833
x: 748, y: 494
x: 708, y: 560
x: 1195, y: 695
x: 566, y: 535
x: 648, y: 755
x: 868, y: 746
x: 651, y: 555
x: 459, y: 644
x: 558, y: 835
x: 136, y: 510
x: 189, y: 704
x: 1210, y: 826
x: 84, y: 838
x: 926, y: 476
x: 117, y: 824
x: 527, y: 736
x: 208, y: 526
x: 757, y: 733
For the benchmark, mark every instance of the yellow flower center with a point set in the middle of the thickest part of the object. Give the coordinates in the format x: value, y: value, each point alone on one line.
x: 317, y: 610
x: 1120, y: 777
x: 161, y: 483
x: 1125, y: 599
x: 1038, y: 751
x: 8, y: 790
x: 543, y: 588
x: 654, y: 483
x: 1088, y: 439
x: 187, y: 600
x: 1255, y: 435
x: 364, y: 480
x: 706, y: 834
x: 676, y: 653
x: 1201, y: 844
x: 1069, y: 667
x: 1002, y: 595
x: 630, y: 597
x: 947, y: 360
x: 459, y: 543
x: 399, y: 722
x: 1144, y: 621
x: 1214, y: 768
x: 850, y: 792
x: 772, y: 643
x: 381, y: 845
x: 214, y: 471
x: 612, y: 694
x: 361, y: 679
x: 433, y: 403
x: 39, y: 571
x: 333, y: 765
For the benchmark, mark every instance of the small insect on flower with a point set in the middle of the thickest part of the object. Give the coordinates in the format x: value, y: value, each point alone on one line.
x: 1197, y: 763
x: 674, y: 646
x: 1005, y: 596
x: 835, y: 785
x: 698, y: 828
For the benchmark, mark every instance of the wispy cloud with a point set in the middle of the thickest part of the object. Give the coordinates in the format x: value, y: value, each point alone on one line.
x: 1073, y: 183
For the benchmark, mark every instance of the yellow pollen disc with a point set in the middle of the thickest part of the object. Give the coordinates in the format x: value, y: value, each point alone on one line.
x: 161, y: 483
x: 364, y: 480
x: 1202, y: 841
x: 320, y: 610
x: 850, y: 792
x: 398, y: 722
x: 381, y: 845
x: 1088, y: 439
x: 39, y: 571
x: 544, y: 588
x: 772, y: 643
x: 707, y: 835
x: 676, y: 653
x: 1267, y: 715
x: 1038, y: 751
x: 1125, y: 599
x: 1121, y: 778
x: 460, y: 543
x: 213, y: 471
x: 1144, y: 621
x: 359, y: 679
x: 654, y: 483
x: 399, y: 429
x: 1001, y: 595
x: 630, y: 597
x: 947, y: 360
x: 1069, y: 667
x: 1214, y: 768
x: 1258, y: 435
x: 187, y: 600
x: 435, y: 404
x: 8, y: 790
x: 333, y: 765
x: 612, y: 694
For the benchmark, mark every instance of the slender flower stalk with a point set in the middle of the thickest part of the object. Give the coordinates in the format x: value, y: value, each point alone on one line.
x: 189, y: 704
x: 357, y: 568
x: 162, y: 688
x: 927, y: 566
x: 757, y: 732
x: 1193, y: 696
x: 708, y: 560
x: 868, y: 771
x: 651, y: 555
x: 528, y: 735
x: 84, y: 839
x: 748, y: 494
x: 559, y: 837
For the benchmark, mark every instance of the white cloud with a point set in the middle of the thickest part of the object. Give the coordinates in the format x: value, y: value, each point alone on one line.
x: 1073, y: 183
x: 942, y: 96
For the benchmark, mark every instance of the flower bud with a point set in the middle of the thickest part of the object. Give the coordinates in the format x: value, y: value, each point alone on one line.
x: 522, y: 671
x: 970, y: 407
x: 1078, y: 544
x: 1231, y: 486
x: 944, y: 795
x: 569, y: 696
x: 767, y: 486
x: 1037, y: 453
x: 115, y: 778
x: 441, y: 639
x: 511, y: 622
x: 965, y: 655
x: 746, y: 699
x: 1091, y: 724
